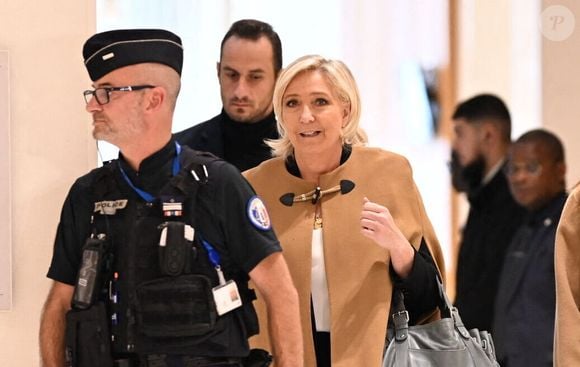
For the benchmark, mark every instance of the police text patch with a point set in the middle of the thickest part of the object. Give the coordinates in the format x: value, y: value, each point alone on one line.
x: 110, y: 207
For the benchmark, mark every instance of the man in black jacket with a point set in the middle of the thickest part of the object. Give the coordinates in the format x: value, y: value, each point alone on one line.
x: 251, y: 57
x: 526, y: 298
x: 482, y: 128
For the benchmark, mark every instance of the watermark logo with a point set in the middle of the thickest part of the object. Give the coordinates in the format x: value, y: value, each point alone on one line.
x: 557, y: 23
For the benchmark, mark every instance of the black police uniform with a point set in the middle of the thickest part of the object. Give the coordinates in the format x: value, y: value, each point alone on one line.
x: 240, y: 144
x: 220, y: 216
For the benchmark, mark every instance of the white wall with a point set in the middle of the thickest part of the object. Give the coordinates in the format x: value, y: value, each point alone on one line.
x: 50, y: 146
x: 502, y: 50
x: 499, y: 52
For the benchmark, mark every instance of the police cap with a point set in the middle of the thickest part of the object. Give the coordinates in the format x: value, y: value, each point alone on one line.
x: 107, y: 51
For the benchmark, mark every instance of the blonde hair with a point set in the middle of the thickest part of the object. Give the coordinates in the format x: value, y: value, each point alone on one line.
x: 340, y: 79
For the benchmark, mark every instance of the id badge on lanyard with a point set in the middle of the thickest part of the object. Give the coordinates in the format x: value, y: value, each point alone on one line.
x: 226, y: 295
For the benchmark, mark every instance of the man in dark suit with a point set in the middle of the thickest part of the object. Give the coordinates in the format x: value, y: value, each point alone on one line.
x: 526, y: 299
x: 250, y: 60
x: 482, y: 128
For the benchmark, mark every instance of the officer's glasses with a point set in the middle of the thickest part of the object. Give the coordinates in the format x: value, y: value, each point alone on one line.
x: 530, y: 168
x: 102, y: 94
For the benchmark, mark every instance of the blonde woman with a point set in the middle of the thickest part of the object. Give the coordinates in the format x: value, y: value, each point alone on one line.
x: 350, y: 219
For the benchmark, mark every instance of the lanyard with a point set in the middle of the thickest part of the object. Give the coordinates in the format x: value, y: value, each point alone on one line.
x: 144, y: 194
x: 214, y: 258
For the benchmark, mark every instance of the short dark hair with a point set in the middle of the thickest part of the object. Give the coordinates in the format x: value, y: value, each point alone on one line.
x: 486, y: 107
x: 549, y: 140
x: 254, y: 29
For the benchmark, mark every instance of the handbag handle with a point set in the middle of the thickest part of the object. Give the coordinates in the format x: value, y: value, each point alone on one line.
x: 401, y: 315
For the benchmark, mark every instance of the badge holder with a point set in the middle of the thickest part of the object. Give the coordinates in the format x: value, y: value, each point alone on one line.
x: 226, y: 295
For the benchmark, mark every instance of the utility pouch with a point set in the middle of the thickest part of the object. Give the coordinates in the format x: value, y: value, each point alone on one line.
x: 87, y: 338
x: 90, y: 276
x: 176, y: 306
x: 176, y: 248
x: 257, y: 358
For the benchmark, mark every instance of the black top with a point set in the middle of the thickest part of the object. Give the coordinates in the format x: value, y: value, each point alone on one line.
x: 525, y: 307
x: 226, y: 222
x: 241, y: 144
x: 493, y: 219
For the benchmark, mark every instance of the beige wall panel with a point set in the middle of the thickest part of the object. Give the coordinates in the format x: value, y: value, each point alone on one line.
x: 561, y: 82
x: 50, y: 146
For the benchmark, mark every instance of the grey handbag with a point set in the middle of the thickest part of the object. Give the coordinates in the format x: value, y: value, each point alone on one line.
x: 441, y: 343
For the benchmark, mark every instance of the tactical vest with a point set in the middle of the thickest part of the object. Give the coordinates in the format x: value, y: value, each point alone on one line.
x: 159, y: 298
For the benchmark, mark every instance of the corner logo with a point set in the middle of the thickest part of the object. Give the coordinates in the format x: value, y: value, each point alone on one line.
x: 557, y: 23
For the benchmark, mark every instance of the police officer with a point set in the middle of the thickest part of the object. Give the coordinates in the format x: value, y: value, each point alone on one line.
x: 154, y: 250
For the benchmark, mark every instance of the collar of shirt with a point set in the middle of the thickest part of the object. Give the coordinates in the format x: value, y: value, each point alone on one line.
x: 492, y: 172
x: 549, y: 213
x: 154, y: 171
x: 241, y: 135
x: 293, y: 169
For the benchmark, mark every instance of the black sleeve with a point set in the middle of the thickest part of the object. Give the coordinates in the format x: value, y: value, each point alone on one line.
x: 73, y: 229
x: 420, y: 289
x: 247, y: 241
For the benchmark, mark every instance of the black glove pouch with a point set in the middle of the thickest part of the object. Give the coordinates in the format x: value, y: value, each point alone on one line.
x: 87, y: 338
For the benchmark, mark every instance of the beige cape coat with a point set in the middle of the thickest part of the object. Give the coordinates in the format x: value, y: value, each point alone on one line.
x: 359, y: 285
x: 567, y: 267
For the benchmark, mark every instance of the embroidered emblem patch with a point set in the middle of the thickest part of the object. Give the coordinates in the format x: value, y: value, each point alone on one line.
x: 110, y: 207
x: 258, y: 214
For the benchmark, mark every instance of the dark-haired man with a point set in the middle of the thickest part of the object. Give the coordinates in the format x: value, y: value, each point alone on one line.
x: 154, y: 250
x: 525, y: 306
x: 250, y: 59
x: 482, y: 128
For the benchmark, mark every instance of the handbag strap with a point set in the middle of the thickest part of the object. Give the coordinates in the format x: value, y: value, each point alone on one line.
x: 401, y: 322
x: 401, y: 315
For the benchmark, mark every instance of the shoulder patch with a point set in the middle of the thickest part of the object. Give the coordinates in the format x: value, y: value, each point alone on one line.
x: 258, y: 214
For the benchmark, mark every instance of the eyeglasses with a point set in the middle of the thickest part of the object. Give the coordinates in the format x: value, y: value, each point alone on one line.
x: 530, y: 168
x: 102, y: 94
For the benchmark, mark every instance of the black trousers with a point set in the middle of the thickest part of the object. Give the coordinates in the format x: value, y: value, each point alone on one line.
x: 322, y: 348
x: 321, y: 343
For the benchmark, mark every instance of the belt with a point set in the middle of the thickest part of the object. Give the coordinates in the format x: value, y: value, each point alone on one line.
x: 125, y: 362
x: 162, y: 360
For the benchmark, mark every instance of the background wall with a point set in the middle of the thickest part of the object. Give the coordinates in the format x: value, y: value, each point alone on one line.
x: 505, y: 48
x: 499, y: 52
x: 561, y: 78
x: 51, y: 146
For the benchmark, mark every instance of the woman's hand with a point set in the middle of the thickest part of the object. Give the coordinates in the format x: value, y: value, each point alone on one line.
x: 378, y: 224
